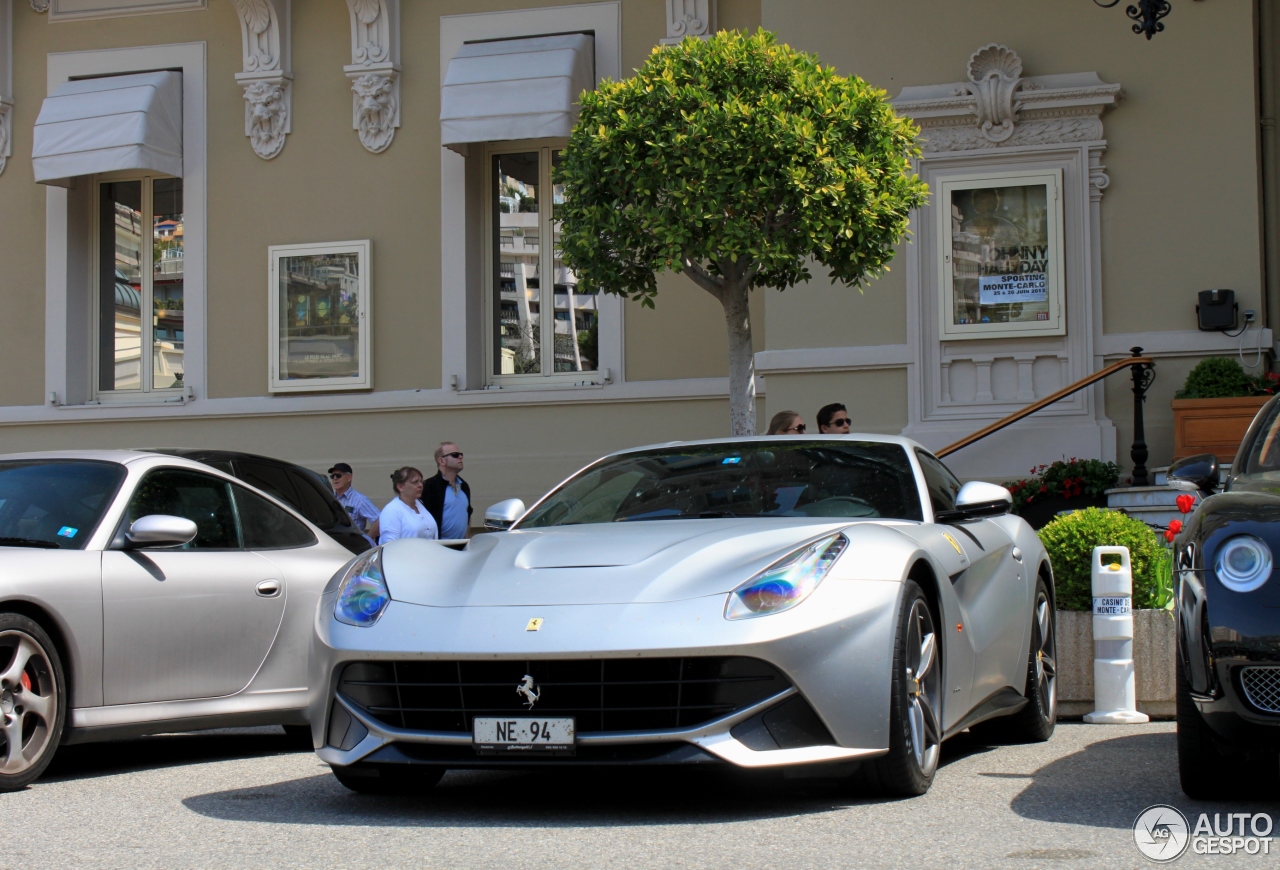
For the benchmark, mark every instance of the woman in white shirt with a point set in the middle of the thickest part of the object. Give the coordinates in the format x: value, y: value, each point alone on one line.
x: 404, y: 516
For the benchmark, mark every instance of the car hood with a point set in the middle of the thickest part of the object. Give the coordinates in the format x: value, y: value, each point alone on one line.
x: 615, y: 563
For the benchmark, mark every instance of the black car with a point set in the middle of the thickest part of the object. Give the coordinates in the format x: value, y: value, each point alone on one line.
x: 1228, y: 619
x: 305, y: 490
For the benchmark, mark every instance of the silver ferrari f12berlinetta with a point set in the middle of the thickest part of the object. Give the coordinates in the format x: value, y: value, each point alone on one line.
x: 754, y: 602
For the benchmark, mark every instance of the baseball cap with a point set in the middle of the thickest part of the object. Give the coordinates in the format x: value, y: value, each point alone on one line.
x: 340, y: 466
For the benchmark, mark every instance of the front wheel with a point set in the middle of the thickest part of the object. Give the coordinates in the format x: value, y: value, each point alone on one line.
x: 915, y: 733
x: 401, y: 779
x: 32, y: 711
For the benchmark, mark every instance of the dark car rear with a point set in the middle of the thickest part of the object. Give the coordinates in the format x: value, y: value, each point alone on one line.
x: 305, y: 490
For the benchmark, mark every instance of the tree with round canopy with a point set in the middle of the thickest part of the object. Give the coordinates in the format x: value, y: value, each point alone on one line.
x: 739, y: 162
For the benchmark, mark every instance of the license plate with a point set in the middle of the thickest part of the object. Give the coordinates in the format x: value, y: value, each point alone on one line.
x: 522, y: 734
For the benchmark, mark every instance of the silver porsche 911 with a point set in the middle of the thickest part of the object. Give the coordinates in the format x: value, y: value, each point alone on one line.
x: 755, y: 602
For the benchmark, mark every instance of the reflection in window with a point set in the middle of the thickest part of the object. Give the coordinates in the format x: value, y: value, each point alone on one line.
x: 319, y: 299
x: 542, y: 322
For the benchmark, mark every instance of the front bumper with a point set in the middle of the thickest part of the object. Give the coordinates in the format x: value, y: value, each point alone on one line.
x: 835, y: 650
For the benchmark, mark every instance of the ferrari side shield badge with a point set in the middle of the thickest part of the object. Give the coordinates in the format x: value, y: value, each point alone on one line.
x: 534, y: 624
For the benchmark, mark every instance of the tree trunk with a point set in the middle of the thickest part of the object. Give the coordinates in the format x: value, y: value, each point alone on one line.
x: 742, y: 359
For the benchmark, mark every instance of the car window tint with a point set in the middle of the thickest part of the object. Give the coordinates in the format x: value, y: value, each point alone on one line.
x: 941, y: 483
x: 201, y: 498
x: 1263, y: 455
x: 268, y: 477
x: 55, y: 503
x: 316, y: 500
x: 265, y: 526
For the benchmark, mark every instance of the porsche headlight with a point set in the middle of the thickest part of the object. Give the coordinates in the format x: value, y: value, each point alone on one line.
x: 787, y: 582
x: 363, y: 591
x: 1243, y: 563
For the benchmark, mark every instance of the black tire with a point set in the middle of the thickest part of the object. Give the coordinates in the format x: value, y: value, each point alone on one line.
x: 30, y: 669
x: 1035, y: 722
x: 909, y: 767
x: 406, y: 779
x: 299, y: 737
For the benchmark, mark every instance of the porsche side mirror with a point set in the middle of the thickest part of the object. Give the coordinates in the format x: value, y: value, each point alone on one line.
x: 1191, y: 473
x: 501, y: 515
x: 159, y: 530
x: 977, y: 500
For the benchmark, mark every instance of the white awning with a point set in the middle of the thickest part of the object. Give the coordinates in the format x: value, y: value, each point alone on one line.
x: 515, y: 89
x: 110, y: 123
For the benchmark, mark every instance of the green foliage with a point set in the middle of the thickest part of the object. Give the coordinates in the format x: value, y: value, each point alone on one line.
x: 1221, y: 377
x: 1070, y: 541
x: 738, y: 157
x: 1162, y: 595
x: 1065, y: 479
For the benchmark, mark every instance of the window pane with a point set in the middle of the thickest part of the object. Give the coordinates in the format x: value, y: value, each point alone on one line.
x: 942, y: 484
x: 120, y: 282
x: 1000, y: 254
x: 267, y: 527
x: 319, y: 298
x: 60, y: 503
x: 203, y: 499
x: 577, y: 319
x: 167, y: 323
x: 517, y: 344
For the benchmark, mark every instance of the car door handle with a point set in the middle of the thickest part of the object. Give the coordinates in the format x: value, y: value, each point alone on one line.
x: 1017, y: 554
x: 269, y: 588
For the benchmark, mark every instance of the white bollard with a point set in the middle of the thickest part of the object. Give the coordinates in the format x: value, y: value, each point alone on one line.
x: 1114, y: 686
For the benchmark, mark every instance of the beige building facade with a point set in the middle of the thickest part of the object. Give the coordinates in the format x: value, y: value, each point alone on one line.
x: 339, y: 220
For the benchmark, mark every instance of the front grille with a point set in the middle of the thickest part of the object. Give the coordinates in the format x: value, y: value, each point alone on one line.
x: 634, y: 694
x: 1262, y: 688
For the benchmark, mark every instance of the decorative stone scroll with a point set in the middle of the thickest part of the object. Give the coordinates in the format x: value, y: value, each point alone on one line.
x: 40, y: 5
x: 689, y: 18
x: 998, y: 107
x: 374, y: 71
x: 266, y: 77
x: 6, y: 82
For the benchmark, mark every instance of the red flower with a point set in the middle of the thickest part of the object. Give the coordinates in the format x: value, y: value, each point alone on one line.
x: 1169, y: 535
x: 1175, y: 526
x: 1186, y: 502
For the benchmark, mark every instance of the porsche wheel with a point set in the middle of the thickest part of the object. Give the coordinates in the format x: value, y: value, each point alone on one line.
x: 32, y: 711
x: 404, y: 779
x: 1035, y: 722
x: 915, y: 733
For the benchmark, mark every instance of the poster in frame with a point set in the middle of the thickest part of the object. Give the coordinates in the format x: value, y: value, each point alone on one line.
x: 318, y: 317
x: 1000, y: 255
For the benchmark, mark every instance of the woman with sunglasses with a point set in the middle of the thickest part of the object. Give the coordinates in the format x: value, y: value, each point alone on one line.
x: 786, y: 423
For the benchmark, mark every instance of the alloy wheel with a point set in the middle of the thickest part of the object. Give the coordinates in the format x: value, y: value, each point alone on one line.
x: 1046, y: 648
x: 28, y: 702
x: 923, y: 681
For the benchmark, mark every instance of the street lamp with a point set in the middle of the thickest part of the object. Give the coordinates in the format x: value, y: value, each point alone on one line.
x: 1146, y: 14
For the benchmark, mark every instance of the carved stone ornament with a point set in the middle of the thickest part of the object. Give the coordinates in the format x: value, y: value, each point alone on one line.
x: 997, y: 107
x: 689, y: 18
x: 6, y: 131
x: 40, y: 5
x: 6, y: 82
x: 266, y: 78
x: 374, y: 71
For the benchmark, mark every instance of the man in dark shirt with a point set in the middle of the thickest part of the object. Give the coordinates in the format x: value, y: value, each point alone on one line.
x: 447, y: 497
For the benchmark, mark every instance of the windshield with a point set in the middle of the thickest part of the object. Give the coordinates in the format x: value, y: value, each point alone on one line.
x: 782, y: 478
x: 54, y: 504
x: 1263, y: 456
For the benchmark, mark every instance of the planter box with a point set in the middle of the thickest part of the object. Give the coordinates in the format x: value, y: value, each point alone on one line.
x: 1041, y: 512
x: 1154, y: 649
x: 1214, y: 426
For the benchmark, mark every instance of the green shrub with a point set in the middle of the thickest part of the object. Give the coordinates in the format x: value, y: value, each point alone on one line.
x: 1070, y: 541
x: 1218, y: 377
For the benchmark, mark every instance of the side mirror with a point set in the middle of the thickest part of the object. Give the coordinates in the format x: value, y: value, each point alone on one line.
x: 501, y: 515
x: 159, y: 530
x: 977, y: 500
x: 1191, y: 473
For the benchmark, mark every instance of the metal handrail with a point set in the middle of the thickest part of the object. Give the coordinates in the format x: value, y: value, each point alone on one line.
x: 1141, y: 368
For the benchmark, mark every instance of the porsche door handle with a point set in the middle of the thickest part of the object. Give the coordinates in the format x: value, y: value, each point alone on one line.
x: 1017, y: 554
x: 269, y: 588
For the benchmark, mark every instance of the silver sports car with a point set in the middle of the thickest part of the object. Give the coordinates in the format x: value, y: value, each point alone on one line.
x: 755, y: 602
x: 142, y: 592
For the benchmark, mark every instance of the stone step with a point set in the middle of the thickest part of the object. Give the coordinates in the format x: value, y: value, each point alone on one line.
x: 1145, y: 497
x: 1153, y: 517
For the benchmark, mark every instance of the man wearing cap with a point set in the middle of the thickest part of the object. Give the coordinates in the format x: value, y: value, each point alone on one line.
x: 364, y: 516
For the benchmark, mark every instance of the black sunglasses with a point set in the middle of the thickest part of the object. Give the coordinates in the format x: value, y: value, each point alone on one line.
x: 337, y: 475
x: 454, y: 455
x: 798, y: 428
x: 845, y: 422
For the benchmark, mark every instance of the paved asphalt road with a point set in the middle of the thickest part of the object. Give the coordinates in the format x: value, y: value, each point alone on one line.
x: 244, y: 799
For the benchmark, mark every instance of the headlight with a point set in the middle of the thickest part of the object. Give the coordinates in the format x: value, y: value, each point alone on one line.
x: 363, y: 594
x: 1243, y: 563
x: 787, y: 582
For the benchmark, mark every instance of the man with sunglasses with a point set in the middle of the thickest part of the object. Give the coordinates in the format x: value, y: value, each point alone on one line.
x: 833, y: 419
x: 364, y: 516
x: 447, y: 496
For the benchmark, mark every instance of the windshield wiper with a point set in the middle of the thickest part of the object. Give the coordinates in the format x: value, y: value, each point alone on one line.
x: 28, y: 542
